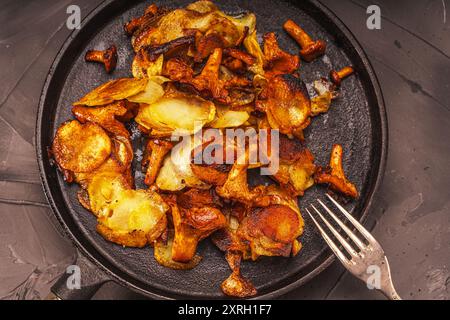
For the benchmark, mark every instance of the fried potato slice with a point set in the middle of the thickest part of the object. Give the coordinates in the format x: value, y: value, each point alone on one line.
x: 142, y: 67
x: 334, y: 176
x: 163, y: 255
x: 252, y: 45
x: 296, y: 169
x: 153, y: 91
x: 111, y: 165
x: 103, y: 189
x: 113, y: 90
x: 106, y: 117
x: 271, y: 230
x: 201, y: 16
x: 286, y: 104
x: 135, y: 218
x: 81, y: 147
x: 176, y: 113
x: 176, y: 172
x: 230, y: 119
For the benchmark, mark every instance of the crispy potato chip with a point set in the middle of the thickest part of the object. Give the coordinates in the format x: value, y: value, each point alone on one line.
x: 144, y: 68
x: 230, y: 119
x: 114, y: 90
x: 134, y: 218
x: 152, y: 93
x: 81, y: 147
x: 179, y: 114
x: 176, y: 172
x: 253, y: 47
x: 104, y: 189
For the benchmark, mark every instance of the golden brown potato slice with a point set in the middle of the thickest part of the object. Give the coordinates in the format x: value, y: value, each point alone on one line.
x: 81, y: 147
x: 202, y: 16
x: 176, y: 173
x: 286, y: 104
x: 106, y: 117
x: 163, y: 255
x: 135, y: 218
x: 111, y: 165
x: 271, y: 231
x: 230, y: 119
x: 142, y: 67
x: 296, y: 169
x: 176, y: 113
x: 103, y: 189
x: 252, y: 45
x: 334, y: 176
x: 113, y: 90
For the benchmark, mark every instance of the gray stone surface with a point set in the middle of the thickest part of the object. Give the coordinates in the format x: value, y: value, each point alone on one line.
x: 411, y: 218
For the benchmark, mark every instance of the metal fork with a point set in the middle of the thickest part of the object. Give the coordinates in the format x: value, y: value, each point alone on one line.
x: 362, y: 261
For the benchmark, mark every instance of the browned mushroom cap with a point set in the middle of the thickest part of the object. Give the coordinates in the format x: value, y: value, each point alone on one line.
x: 155, y: 153
x: 108, y: 57
x: 337, y: 76
x: 310, y: 49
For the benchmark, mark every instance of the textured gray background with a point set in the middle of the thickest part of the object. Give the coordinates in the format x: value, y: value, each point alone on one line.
x: 411, y: 218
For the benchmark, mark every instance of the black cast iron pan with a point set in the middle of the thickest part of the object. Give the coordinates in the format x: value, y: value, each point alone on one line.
x: 357, y: 120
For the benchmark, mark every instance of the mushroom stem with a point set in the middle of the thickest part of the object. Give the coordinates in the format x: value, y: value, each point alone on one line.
x: 338, y: 76
x: 299, y: 35
x: 311, y: 49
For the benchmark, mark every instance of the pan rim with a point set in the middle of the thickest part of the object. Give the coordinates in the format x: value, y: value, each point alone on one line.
x: 374, y: 188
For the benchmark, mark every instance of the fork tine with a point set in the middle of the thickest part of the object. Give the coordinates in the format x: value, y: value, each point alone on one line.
x: 351, y: 235
x: 355, y: 222
x: 330, y: 242
x: 338, y: 236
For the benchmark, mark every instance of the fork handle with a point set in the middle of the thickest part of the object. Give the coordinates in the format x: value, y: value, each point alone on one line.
x: 390, y: 292
x: 387, y: 287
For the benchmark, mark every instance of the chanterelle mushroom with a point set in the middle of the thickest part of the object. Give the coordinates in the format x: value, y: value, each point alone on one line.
x: 335, y: 176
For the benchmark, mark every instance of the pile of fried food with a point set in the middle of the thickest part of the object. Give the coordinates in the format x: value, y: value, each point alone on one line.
x: 199, y: 65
